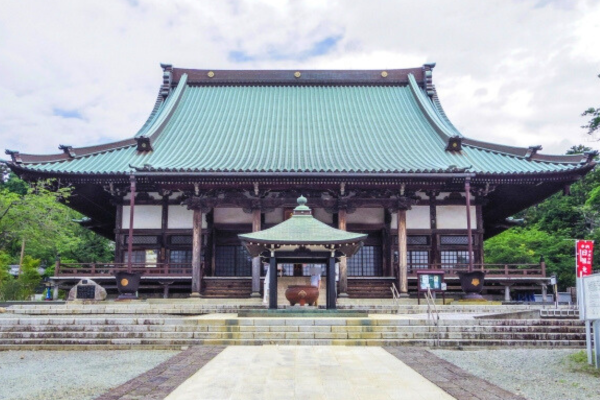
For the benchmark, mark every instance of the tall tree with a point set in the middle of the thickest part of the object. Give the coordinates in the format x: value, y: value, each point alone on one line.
x: 35, y: 215
x: 594, y: 123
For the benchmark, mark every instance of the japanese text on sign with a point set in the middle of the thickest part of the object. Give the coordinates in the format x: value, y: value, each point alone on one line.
x: 584, y: 249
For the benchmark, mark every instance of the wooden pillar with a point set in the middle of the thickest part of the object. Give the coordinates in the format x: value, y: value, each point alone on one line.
x: 402, y: 253
x: 343, y: 284
x: 164, y: 223
x: 434, y: 257
x: 118, y: 234
x: 131, y: 210
x: 196, y: 253
x: 331, y: 290
x: 469, y: 230
x: 273, y: 282
x: 256, y: 260
x: 479, y: 213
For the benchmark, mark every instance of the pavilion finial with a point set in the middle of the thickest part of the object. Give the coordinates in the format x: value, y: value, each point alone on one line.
x: 302, y: 208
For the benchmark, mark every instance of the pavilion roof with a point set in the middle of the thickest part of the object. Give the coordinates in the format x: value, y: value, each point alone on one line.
x: 304, y: 230
x: 359, y: 122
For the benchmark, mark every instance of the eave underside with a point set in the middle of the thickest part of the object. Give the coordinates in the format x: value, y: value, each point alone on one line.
x: 500, y: 196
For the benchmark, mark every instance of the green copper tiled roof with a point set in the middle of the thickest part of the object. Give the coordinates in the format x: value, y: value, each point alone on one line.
x: 301, y: 128
x: 303, y: 229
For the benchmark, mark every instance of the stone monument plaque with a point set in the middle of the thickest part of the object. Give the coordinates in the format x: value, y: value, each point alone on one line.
x: 86, y: 292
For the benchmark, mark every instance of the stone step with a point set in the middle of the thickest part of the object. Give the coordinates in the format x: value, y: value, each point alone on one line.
x: 15, y: 336
x: 178, y: 343
x: 203, y: 306
x: 229, y: 322
x: 156, y: 331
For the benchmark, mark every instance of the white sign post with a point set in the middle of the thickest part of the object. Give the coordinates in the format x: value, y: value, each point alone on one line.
x: 590, y: 290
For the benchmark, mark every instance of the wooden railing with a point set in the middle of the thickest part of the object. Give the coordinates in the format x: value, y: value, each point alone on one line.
x: 95, y: 269
x: 168, y: 269
x: 491, y: 270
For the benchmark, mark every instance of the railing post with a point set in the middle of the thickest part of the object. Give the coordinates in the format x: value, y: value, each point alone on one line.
x: 543, y: 266
x: 93, y: 268
x: 505, y: 269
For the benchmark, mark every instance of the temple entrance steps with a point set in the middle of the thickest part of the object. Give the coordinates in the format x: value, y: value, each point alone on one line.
x: 113, y: 332
x: 226, y: 288
x: 210, y: 305
x: 369, y: 288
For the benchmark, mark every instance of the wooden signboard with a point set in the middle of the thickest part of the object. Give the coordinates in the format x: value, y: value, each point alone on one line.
x: 432, y: 280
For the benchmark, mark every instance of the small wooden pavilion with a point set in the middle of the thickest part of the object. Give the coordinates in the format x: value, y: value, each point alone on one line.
x: 302, y: 239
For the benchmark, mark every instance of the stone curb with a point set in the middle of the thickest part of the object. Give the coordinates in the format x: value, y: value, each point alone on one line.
x: 164, y: 378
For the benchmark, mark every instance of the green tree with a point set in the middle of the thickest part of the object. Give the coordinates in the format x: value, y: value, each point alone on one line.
x: 594, y: 123
x: 551, y: 228
x: 35, y: 214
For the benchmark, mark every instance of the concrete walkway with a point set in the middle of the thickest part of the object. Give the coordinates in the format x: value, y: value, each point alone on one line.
x: 306, y: 372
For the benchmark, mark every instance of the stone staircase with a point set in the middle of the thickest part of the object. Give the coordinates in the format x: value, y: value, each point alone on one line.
x: 227, y: 288
x: 208, y: 306
x: 370, y: 288
x: 108, y: 332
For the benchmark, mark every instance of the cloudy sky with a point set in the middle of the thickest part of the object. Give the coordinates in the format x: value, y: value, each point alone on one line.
x: 508, y: 71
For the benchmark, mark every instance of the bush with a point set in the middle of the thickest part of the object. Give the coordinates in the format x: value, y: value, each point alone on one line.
x: 23, y: 287
x: 577, y: 362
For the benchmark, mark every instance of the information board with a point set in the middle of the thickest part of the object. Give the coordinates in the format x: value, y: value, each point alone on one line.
x: 591, y: 296
x: 432, y: 280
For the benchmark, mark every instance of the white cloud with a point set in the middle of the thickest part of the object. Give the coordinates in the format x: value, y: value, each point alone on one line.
x: 515, y: 72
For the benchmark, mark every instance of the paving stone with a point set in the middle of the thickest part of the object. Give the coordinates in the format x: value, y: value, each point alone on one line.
x: 452, y: 379
x: 300, y: 372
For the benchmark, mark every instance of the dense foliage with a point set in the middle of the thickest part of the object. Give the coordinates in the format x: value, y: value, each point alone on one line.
x: 550, y: 229
x: 34, y: 220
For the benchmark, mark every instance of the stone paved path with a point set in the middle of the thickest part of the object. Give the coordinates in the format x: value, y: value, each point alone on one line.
x: 307, y: 372
x: 164, y: 378
x: 454, y: 380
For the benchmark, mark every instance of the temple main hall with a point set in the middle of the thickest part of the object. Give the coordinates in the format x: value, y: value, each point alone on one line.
x: 226, y: 152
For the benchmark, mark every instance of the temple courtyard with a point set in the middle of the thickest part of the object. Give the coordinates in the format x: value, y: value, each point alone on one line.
x: 209, y: 349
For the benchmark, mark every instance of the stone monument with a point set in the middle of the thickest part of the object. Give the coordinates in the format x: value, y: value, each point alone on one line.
x: 87, y: 290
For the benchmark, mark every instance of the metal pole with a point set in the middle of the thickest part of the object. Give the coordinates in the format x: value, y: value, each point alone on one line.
x: 273, y: 282
x: 470, y: 236
x: 588, y: 340
x: 331, y: 289
x: 131, y: 209
x: 597, y: 342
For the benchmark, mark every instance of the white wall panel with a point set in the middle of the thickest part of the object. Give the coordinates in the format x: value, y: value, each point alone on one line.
x: 144, y: 217
x: 366, y: 216
x: 322, y: 215
x: 232, y: 216
x: 455, y: 217
x: 418, y: 218
x: 274, y: 217
x: 182, y: 218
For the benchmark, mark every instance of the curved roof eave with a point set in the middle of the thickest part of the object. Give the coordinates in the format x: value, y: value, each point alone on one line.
x: 153, y: 126
x: 442, y: 125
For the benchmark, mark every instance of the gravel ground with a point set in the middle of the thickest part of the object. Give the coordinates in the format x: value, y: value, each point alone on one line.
x: 66, y: 375
x: 532, y: 373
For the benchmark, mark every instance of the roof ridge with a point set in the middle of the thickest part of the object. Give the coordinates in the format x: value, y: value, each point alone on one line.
x: 298, y: 76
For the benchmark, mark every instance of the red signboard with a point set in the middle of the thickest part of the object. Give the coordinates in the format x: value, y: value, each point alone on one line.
x: 584, y: 250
